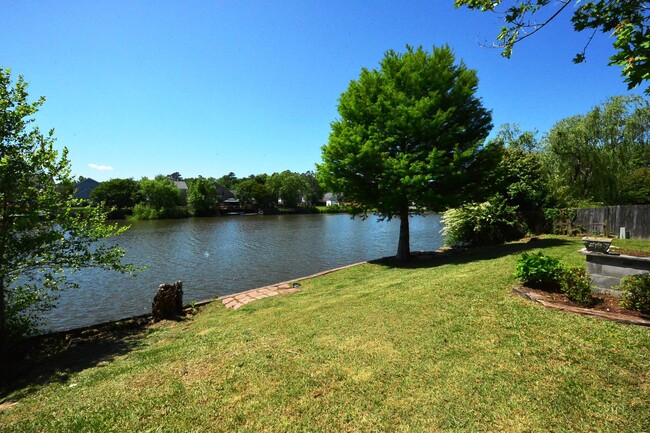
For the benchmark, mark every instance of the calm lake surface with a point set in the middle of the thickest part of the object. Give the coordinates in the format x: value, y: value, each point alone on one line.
x: 218, y: 256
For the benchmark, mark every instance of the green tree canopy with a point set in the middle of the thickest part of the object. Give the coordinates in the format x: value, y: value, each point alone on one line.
x: 160, y: 193
x: 117, y: 193
x: 256, y: 191
x: 520, y: 177
x: 229, y: 180
x: 410, y: 137
x: 202, y: 196
x: 288, y: 187
x: 591, y: 158
x: 626, y: 20
x: 636, y: 187
x: 519, y: 180
x: 175, y: 176
x: 41, y: 238
x: 314, y: 191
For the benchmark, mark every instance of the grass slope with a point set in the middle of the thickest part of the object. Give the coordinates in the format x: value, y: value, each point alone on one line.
x: 436, y: 346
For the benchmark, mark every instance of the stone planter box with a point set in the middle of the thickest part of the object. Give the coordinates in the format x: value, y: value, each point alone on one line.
x: 598, y: 245
x: 607, y: 270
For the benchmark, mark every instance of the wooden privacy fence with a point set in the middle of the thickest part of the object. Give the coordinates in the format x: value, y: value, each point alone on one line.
x: 609, y: 220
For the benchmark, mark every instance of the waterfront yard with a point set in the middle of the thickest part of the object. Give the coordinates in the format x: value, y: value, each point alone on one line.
x: 440, y: 345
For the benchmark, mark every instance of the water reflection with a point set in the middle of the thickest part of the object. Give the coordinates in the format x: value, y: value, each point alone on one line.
x: 217, y: 256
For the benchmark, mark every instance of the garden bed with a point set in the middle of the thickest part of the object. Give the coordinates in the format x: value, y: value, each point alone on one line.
x: 606, y: 306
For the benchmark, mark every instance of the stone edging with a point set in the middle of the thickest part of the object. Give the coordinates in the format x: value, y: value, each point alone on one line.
x: 615, y: 317
x: 237, y: 300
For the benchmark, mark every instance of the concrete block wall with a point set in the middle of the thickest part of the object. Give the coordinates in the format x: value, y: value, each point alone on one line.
x: 607, y: 270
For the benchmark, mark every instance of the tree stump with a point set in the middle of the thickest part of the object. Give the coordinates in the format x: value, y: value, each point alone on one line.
x: 168, y: 302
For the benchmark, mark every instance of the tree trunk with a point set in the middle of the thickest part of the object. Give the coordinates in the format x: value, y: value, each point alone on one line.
x: 404, y: 247
x: 3, y: 318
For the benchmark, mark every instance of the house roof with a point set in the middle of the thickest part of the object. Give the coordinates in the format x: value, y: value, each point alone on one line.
x: 84, y: 188
x: 180, y: 184
x: 224, y: 192
x: 329, y: 196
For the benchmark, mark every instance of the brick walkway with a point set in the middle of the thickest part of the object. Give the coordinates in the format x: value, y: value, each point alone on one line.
x: 237, y: 300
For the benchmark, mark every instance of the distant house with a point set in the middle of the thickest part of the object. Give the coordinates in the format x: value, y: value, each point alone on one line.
x: 330, y: 199
x: 182, y: 186
x: 224, y: 193
x: 83, y: 189
x: 232, y: 202
x: 301, y: 201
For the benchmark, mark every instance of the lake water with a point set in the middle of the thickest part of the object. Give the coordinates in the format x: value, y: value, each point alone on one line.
x: 218, y: 256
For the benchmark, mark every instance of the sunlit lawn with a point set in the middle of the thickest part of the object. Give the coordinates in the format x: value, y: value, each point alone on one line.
x: 439, y: 346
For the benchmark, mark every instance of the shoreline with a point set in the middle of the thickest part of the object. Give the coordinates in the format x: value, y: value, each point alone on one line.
x: 143, y: 319
x: 187, y: 307
x: 43, y: 346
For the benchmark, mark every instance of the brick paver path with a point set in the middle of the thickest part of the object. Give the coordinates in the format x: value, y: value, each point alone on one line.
x: 237, y: 300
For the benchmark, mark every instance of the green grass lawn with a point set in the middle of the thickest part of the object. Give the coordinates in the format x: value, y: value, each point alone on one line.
x: 440, y: 345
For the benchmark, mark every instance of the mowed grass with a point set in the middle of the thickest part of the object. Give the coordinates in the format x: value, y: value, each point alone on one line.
x: 441, y: 345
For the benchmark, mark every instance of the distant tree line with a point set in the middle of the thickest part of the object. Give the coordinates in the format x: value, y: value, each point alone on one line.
x: 165, y: 196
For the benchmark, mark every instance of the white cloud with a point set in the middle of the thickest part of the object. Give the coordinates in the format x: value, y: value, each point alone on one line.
x: 100, y: 167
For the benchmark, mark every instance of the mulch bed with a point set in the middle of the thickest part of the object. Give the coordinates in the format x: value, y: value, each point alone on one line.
x: 623, y: 252
x: 606, y: 307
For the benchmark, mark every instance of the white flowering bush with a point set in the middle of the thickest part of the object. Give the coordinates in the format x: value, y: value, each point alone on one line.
x: 488, y: 223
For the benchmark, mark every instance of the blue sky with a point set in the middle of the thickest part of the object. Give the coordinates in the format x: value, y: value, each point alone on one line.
x: 210, y: 87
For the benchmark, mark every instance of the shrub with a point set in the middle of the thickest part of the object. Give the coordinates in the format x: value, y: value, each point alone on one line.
x: 489, y: 223
x: 577, y: 286
x: 143, y: 211
x: 636, y: 293
x: 335, y: 208
x: 539, y: 271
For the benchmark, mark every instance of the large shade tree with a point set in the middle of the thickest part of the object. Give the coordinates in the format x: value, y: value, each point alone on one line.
x: 41, y: 238
x: 409, y: 138
x: 625, y: 20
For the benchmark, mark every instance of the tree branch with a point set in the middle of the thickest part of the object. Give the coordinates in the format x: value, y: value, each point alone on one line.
x: 540, y: 26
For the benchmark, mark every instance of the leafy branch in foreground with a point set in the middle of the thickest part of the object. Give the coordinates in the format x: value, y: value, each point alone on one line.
x: 626, y: 20
x: 44, y: 234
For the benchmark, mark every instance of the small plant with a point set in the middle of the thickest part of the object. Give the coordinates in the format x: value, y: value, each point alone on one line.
x: 577, y: 286
x: 636, y: 293
x: 192, y: 308
x: 539, y: 271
